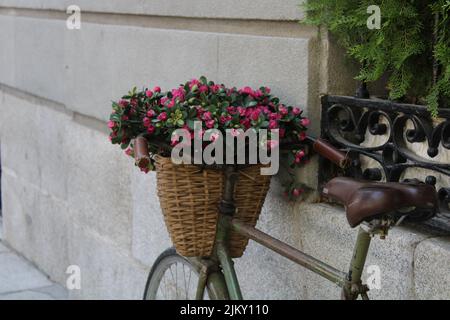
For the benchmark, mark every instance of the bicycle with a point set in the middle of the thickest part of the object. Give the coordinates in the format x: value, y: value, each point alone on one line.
x: 375, y: 207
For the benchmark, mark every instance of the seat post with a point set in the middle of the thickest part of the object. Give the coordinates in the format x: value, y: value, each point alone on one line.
x: 353, y: 286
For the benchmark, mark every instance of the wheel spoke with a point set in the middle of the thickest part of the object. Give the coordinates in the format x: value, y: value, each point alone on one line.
x: 170, y: 276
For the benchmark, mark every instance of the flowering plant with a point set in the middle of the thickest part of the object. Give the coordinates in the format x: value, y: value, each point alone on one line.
x: 156, y: 115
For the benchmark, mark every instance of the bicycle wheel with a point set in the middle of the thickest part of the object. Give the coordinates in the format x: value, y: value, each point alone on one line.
x: 173, y: 277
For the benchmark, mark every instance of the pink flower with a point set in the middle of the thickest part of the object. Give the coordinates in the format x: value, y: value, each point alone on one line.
x: 209, y: 124
x: 149, y: 93
x: 125, y: 117
x: 271, y: 144
x: 194, y: 82
x: 207, y: 115
x: 274, y: 116
x: 224, y: 119
x: 241, y: 111
x: 267, y: 89
x: 297, y: 192
x: 162, y: 116
x: 214, y: 137
x: 111, y: 124
x: 151, y: 129
x: 164, y: 100
x: 123, y: 103
x: 231, y: 110
x: 151, y: 113
x: 296, y: 111
x: 171, y: 104
x: 147, y: 122
x: 178, y: 93
x: 245, y: 123
x: 283, y: 110
x: 302, y: 136
x: 234, y: 132
x: 203, y: 88
x: 255, y: 114
x: 129, y: 152
x: 265, y: 109
x: 174, y: 140
x: 215, y: 88
x: 305, y: 122
x: 257, y: 94
x: 273, y: 124
x: 246, y: 90
x: 157, y: 89
x: 145, y: 170
x: 299, y: 156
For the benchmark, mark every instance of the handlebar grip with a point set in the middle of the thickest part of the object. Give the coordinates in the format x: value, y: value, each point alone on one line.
x: 141, y: 153
x: 328, y: 151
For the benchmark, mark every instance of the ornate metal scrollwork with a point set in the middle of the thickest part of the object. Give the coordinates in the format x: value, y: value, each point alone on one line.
x: 387, y: 141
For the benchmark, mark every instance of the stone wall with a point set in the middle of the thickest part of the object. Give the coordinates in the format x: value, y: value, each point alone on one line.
x: 71, y: 198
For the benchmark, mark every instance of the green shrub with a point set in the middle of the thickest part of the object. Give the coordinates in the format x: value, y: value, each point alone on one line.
x: 405, y: 47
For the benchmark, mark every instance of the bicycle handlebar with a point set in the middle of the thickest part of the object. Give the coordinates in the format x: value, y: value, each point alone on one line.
x: 141, y: 153
x: 326, y: 150
x: 322, y: 147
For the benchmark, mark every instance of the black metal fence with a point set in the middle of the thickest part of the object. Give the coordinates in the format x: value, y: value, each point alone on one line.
x: 382, y: 138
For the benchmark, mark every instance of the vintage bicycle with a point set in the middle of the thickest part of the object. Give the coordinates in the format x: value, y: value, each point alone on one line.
x: 373, y: 206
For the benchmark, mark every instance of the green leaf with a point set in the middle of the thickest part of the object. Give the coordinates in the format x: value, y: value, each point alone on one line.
x: 203, y: 80
x: 212, y: 108
x: 264, y: 124
x: 190, y: 124
x: 252, y: 103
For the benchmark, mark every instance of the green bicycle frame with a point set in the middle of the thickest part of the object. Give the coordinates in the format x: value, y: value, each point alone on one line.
x: 350, y: 282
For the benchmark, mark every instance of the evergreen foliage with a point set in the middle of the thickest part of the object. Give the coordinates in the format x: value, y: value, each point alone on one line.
x: 405, y: 47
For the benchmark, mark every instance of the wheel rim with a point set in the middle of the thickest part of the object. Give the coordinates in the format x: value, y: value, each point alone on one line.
x: 174, y: 279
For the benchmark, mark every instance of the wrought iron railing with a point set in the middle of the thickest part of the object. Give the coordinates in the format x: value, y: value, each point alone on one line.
x: 390, y: 141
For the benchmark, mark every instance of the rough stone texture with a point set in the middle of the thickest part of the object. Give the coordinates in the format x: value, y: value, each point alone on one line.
x: 107, y: 270
x: 326, y: 235
x: 3, y: 248
x: 281, y: 63
x: 16, y: 274
x: 235, y: 9
x: 148, y: 222
x: 43, y: 226
x: 19, y: 280
x: 7, y: 56
x: 94, y: 50
x: 73, y: 57
x: 27, y: 295
x: 432, y: 261
x: 274, y: 276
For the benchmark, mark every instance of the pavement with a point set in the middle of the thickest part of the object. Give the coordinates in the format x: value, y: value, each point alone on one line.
x: 21, y: 280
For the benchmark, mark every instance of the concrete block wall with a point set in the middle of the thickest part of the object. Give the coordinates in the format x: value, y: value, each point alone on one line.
x: 71, y: 198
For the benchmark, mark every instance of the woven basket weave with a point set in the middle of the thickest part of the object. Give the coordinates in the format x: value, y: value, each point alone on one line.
x: 189, y: 200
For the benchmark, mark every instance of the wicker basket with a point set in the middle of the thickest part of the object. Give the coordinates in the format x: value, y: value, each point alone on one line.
x: 189, y: 200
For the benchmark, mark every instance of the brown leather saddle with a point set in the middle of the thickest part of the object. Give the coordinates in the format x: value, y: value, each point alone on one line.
x: 365, y: 200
